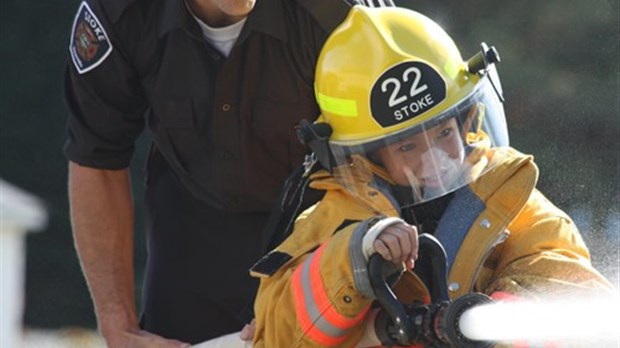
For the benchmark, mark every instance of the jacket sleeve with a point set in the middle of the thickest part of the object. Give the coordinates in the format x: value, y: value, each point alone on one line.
x: 315, y: 300
x: 545, y: 254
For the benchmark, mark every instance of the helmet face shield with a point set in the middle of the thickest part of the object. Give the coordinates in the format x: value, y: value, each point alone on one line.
x: 410, y: 110
x: 434, y: 158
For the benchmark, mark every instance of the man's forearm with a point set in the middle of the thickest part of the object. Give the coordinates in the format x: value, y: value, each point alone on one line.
x: 102, y: 220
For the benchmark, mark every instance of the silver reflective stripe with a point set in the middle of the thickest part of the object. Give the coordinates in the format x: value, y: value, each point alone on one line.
x: 358, y: 261
x: 315, y: 315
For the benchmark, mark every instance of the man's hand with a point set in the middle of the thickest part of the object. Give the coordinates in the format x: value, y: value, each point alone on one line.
x: 102, y: 219
x: 398, y: 243
x: 142, y: 339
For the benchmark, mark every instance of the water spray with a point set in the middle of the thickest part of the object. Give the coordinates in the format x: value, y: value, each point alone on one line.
x: 476, y: 321
x: 567, y: 320
x: 473, y: 320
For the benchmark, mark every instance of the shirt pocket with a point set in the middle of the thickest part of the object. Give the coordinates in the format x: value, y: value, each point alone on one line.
x: 274, y: 123
x: 173, y: 112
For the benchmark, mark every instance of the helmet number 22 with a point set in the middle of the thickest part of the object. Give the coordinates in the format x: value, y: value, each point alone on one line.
x: 416, y: 89
x: 405, y: 91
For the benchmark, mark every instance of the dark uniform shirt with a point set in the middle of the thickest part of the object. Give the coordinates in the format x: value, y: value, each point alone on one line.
x: 222, y: 127
x: 225, y: 125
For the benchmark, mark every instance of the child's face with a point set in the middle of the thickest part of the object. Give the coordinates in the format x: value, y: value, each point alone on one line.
x: 430, y: 159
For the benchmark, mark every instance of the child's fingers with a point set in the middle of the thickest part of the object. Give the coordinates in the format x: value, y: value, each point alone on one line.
x: 382, y: 249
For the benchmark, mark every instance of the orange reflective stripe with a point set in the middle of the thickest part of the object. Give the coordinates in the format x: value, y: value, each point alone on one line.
x: 303, y: 319
x: 316, y: 315
x: 322, y: 301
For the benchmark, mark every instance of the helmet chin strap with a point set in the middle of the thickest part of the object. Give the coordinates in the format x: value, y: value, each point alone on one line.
x: 316, y: 137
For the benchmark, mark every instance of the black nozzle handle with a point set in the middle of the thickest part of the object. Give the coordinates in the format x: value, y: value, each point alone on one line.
x: 377, y: 270
x: 432, y: 250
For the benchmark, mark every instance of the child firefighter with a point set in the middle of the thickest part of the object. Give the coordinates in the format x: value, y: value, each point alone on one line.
x: 416, y: 142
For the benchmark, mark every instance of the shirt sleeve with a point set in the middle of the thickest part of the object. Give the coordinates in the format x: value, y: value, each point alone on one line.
x: 103, y: 93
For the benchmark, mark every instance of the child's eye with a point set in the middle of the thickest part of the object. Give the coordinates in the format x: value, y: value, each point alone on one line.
x: 444, y: 133
x: 406, y: 147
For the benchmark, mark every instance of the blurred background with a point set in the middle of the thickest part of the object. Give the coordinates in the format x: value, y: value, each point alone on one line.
x: 561, y: 82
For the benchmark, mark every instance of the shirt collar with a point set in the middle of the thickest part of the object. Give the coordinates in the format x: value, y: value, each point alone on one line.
x: 266, y: 17
x: 174, y: 15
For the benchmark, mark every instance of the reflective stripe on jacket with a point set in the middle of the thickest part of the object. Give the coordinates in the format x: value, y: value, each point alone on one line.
x: 500, y: 233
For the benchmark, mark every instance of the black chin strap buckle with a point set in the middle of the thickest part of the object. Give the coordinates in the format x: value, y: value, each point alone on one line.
x: 316, y: 137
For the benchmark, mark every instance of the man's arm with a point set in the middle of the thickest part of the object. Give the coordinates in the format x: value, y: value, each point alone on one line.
x: 103, y: 224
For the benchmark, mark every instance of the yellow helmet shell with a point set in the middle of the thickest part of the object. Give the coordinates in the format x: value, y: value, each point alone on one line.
x: 387, y: 69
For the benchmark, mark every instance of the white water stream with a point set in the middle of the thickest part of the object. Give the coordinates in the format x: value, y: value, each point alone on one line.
x: 595, y: 320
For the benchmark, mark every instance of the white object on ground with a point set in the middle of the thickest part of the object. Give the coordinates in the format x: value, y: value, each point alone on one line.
x: 20, y: 212
x: 233, y: 340
x: 227, y: 341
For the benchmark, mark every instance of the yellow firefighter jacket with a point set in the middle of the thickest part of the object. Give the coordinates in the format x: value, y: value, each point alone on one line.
x: 500, y: 234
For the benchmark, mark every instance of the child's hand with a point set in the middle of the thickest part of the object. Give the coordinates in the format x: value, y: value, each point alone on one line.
x: 247, y: 333
x: 398, y: 243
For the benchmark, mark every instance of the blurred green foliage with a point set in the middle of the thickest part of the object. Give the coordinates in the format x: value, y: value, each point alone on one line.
x: 560, y: 75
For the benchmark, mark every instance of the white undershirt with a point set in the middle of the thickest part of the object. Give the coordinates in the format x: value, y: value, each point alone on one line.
x: 223, y: 39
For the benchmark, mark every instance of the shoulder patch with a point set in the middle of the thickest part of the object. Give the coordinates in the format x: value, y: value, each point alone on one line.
x: 89, y: 45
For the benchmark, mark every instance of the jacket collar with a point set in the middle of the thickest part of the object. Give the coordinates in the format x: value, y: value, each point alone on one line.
x: 505, y: 162
x: 504, y: 191
x: 266, y: 17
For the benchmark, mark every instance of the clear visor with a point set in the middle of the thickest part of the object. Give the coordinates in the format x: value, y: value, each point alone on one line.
x: 431, y: 159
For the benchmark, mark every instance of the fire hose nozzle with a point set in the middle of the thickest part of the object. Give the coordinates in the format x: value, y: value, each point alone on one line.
x: 431, y: 325
x: 447, y: 321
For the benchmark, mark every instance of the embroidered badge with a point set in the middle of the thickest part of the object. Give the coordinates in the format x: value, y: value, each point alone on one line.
x: 90, y: 44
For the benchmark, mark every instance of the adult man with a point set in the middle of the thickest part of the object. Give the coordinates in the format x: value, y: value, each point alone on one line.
x: 212, y: 79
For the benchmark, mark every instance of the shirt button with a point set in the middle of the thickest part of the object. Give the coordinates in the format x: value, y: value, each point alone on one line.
x: 225, y: 107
